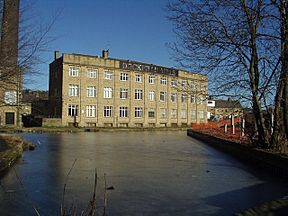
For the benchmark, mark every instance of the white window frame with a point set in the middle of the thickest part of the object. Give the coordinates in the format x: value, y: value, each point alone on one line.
x: 72, y: 110
x: 91, y: 111
x: 151, y: 95
x: 184, y: 83
x: 174, y: 113
x: 138, y: 94
x: 138, y: 112
x: 202, y: 99
x: 193, y: 115
x: 173, y: 82
x: 124, y: 76
x: 123, y: 93
x: 139, y: 78
x: 74, y: 71
x: 150, y: 111
x: 151, y: 79
x: 108, y: 92
x: 201, y: 114
x: 184, y: 98
x: 73, y: 90
x: 162, y: 96
x: 193, y: 99
x: 91, y: 91
x: 193, y: 85
x: 183, y: 114
x: 108, y: 74
x: 163, y: 113
x: 107, y: 111
x: 123, y: 112
x: 174, y: 97
x: 163, y: 80
x: 92, y: 73
x: 202, y: 86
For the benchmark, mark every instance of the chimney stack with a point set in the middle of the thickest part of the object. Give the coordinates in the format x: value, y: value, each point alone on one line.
x: 105, y: 53
x: 56, y: 54
x: 9, y: 33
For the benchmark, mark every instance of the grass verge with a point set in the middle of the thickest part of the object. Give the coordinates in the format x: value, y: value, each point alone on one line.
x: 11, y: 148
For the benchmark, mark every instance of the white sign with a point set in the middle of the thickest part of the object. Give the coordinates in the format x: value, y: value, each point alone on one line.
x: 10, y: 97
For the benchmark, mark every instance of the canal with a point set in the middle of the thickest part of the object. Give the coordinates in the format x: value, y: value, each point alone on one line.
x: 152, y: 173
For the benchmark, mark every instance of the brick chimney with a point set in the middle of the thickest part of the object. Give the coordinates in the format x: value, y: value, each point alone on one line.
x: 9, y: 33
x: 56, y: 54
x: 105, y: 53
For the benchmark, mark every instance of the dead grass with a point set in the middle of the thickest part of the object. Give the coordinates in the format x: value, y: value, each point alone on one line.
x: 11, y: 149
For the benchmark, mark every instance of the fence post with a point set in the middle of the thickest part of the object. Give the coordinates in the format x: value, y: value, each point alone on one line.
x: 243, y: 127
x: 233, y: 124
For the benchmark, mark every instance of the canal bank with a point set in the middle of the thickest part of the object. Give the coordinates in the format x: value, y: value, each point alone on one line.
x: 269, y: 162
x: 86, y: 129
x: 11, y: 148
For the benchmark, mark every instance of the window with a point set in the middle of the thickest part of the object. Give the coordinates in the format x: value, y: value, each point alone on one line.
x: 73, y: 90
x: 183, y: 114
x: 162, y: 113
x: 138, y: 112
x: 173, y: 82
x: 91, y: 91
x: 174, y: 113
x: 173, y: 97
x: 151, y: 113
x: 193, y: 115
x: 123, y: 93
x: 107, y: 92
x: 163, y: 81
x: 183, y: 83
x: 91, y: 73
x: 193, y: 99
x: 202, y: 86
x: 138, y: 94
x: 201, y: 99
x: 107, y: 111
x: 74, y: 71
x: 151, y: 79
x: 108, y: 74
x: 72, y: 110
x: 151, y: 96
x: 123, y: 76
x: 183, y: 98
x: 138, y: 78
x: 193, y: 86
x: 123, y: 112
x: 90, y: 111
x: 201, y: 115
x: 162, y: 96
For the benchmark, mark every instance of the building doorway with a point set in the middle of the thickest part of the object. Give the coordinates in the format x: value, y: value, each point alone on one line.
x: 9, y: 118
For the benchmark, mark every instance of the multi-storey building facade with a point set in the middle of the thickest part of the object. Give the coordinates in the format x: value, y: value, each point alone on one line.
x: 93, y: 91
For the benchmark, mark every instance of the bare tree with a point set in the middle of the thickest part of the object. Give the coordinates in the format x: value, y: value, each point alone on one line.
x: 238, y: 43
x: 34, y: 37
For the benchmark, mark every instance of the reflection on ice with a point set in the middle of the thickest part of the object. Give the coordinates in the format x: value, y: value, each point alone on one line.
x: 152, y: 173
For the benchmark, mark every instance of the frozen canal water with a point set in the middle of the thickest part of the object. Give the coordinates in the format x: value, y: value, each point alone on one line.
x: 153, y: 173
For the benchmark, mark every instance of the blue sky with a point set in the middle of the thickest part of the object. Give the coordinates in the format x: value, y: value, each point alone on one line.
x: 130, y: 29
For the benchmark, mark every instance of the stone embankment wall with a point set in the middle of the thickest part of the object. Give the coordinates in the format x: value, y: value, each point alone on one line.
x: 52, y: 122
x: 276, y: 164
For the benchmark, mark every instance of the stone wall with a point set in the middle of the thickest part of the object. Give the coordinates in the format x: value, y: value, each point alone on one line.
x: 274, y: 163
x: 52, y: 122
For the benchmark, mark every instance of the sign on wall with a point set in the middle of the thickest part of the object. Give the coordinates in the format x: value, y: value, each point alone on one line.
x: 10, y: 97
x: 130, y: 65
